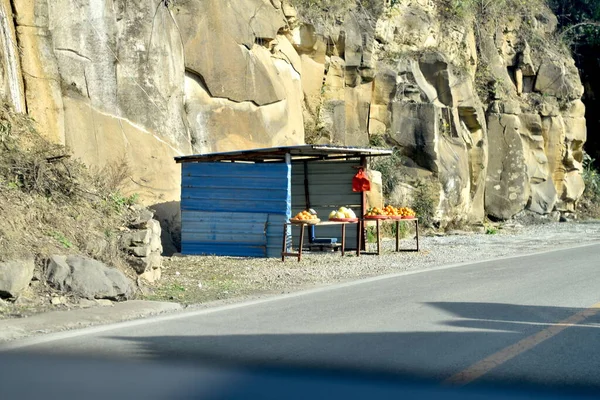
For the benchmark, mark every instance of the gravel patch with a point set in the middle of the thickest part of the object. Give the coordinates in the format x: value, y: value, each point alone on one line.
x: 200, y: 280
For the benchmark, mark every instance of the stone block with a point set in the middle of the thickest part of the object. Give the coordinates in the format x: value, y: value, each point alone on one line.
x: 15, y: 276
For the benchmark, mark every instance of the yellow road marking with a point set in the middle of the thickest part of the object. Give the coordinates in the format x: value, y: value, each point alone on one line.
x: 487, y: 364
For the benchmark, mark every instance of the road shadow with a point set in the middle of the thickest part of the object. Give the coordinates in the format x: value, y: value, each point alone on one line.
x: 471, y: 332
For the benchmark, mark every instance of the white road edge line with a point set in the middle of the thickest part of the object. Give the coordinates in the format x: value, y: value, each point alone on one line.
x: 52, y: 337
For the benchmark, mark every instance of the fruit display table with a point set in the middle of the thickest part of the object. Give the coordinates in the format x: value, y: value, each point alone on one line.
x: 378, y: 222
x: 303, y: 224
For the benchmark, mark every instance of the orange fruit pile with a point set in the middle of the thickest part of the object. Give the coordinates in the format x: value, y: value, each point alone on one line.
x: 391, y: 211
x: 406, y: 212
x: 372, y: 212
x: 305, y: 216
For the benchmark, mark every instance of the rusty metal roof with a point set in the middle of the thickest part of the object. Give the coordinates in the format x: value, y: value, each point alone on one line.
x: 302, y: 152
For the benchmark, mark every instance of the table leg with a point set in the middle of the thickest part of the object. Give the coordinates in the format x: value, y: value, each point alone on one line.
x: 284, y: 246
x: 301, y: 242
x: 397, y: 235
x: 359, y: 237
x: 378, y: 239
x: 343, y: 239
x: 417, y: 230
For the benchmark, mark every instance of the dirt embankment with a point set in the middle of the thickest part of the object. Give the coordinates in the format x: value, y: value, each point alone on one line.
x: 52, y: 204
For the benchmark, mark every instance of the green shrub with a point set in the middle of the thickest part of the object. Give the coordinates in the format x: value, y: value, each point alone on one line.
x: 388, y: 166
x: 591, y: 178
x: 424, y: 202
x: 589, y: 204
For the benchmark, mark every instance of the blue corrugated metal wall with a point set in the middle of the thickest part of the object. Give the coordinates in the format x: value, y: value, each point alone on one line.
x: 234, y: 209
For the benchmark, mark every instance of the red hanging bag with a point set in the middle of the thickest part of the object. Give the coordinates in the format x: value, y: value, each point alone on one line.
x: 360, y: 183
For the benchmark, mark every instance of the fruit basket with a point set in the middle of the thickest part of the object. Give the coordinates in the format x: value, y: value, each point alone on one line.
x: 308, y: 217
x: 376, y: 213
x: 376, y: 217
x: 407, y: 213
x: 343, y: 214
x: 312, y: 221
x: 344, y: 219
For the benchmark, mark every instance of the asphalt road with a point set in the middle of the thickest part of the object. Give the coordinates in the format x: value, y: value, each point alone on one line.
x: 533, y: 319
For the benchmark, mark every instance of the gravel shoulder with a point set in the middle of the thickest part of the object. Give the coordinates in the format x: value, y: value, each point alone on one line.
x: 201, y: 281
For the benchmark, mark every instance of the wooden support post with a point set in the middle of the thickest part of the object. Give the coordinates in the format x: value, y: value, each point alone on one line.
x: 397, y: 235
x: 343, y: 239
x: 417, y: 231
x: 301, y: 241
x: 359, y: 237
x: 378, y: 238
x: 284, y: 247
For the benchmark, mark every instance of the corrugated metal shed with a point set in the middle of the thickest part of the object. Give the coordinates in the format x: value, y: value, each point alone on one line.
x: 234, y: 209
x: 238, y: 208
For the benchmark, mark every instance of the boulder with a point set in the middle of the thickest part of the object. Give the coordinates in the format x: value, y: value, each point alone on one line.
x: 152, y: 275
x: 87, y: 278
x: 144, y: 264
x: 15, y: 276
x: 558, y: 78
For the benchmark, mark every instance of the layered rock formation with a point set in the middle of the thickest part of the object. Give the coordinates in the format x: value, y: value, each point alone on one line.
x: 490, y: 113
x: 147, y: 81
x: 495, y: 122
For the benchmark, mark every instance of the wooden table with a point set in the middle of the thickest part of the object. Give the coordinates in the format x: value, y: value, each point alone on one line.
x: 397, y: 221
x: 285, y: 253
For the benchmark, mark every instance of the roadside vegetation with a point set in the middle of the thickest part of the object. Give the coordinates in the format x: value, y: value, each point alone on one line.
x: 589, y: 204
x: 51, y: 203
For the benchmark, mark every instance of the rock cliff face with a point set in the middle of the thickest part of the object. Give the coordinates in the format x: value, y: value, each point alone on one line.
x: 488, y: 109
x: 491, y: 113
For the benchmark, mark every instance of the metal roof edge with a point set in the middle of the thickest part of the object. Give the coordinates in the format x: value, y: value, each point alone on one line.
x: 272, y: 153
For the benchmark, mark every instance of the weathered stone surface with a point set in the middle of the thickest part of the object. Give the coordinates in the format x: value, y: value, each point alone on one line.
x: 507, y: 183
x: 288, y: 10
x: 140, y: 237
x: 144, y: 264
x: 15, y: 276
x: 104, y: 303
x: 147, y: 82
x: 42, y: 88
x: 230, y: 50
x: 154, y: 175
x: 71, y: 68
x: 140, y: 251
x: 312, y: 82
x: 142, y: 218
x: 527, y: 217
x: 87, y: 278
x: 559, y: 78
x: 374, y: 197
x: 152, y: 275
x: 11, y: 82
x: 244, y: 125
x: 575, y: 109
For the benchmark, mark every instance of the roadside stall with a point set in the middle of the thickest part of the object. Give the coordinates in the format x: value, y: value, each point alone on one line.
x: 245, y: 203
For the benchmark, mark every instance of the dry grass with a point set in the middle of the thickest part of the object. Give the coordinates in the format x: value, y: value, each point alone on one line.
x: 51, y: 203
x: 197, y: 280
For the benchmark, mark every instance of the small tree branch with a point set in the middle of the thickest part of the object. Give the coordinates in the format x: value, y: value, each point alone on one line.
x: 573, y: 27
